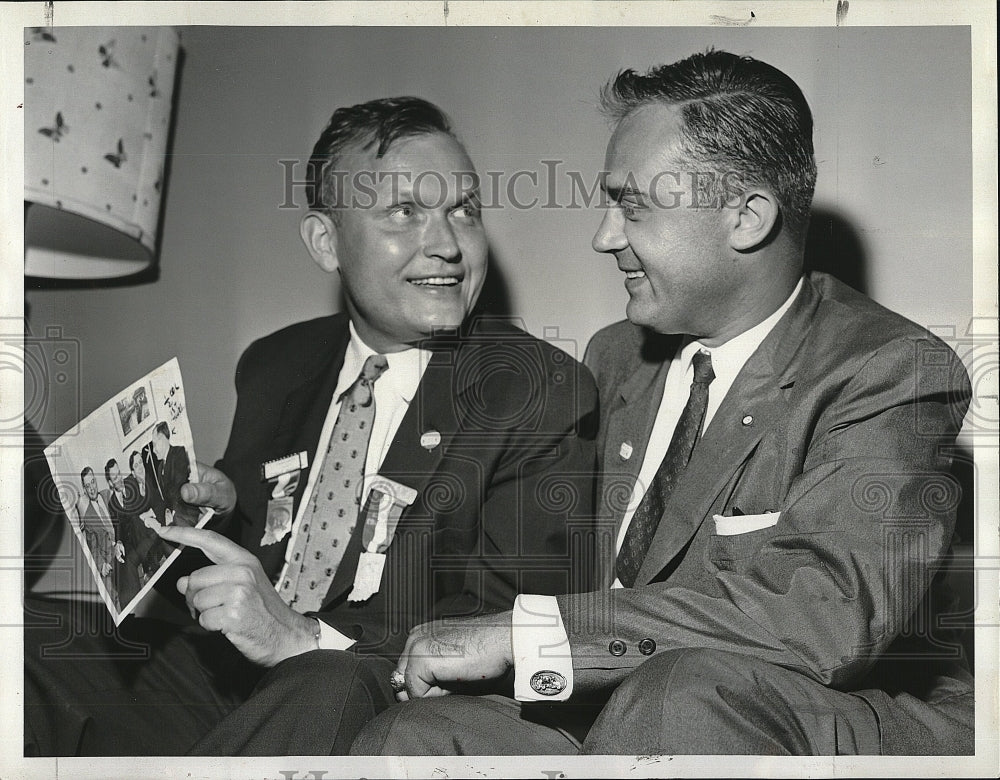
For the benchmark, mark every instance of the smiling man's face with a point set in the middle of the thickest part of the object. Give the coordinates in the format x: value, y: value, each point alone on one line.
x: 90, y: 485
x: 409, y: 242
x: 115, y: 477
x: 676, y: 260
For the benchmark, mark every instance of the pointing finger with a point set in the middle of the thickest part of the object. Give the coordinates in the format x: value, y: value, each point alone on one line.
x: 218, y: 548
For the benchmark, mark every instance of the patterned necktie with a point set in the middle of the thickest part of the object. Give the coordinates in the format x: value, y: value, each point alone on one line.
x: 335, y: 503
x: 647, y: 516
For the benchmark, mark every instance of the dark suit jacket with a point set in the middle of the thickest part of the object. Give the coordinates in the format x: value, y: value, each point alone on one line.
x: 841, y: 421
x: 174, y: 471
x: 126, y: 572
x: 503, y: 501
x: 155, y: 491
x: 148, y: 548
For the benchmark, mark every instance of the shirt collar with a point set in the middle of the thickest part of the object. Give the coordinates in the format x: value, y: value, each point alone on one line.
x: 400, y: 378
x: 728, y: 359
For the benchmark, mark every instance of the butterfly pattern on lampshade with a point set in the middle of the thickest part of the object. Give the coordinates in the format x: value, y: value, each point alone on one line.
x: 97, y: 113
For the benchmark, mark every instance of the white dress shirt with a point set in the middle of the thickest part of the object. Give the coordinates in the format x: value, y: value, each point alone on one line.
x: 538, y: 637
x: 393, y: 391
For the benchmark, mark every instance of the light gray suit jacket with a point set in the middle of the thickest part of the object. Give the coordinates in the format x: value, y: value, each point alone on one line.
x: 841, y: 421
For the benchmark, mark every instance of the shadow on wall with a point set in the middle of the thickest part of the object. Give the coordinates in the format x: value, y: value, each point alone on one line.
x: 495, y: 296
x: 835, y: 247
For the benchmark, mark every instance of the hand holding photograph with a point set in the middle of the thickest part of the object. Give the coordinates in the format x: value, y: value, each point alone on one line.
x: 119, y: 476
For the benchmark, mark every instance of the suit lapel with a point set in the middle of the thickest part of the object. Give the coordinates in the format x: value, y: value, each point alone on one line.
x: 299, y: 425
x: 628, y: 428
x: 431, y: 411
x: 755, y: 403
x: 305, y: 411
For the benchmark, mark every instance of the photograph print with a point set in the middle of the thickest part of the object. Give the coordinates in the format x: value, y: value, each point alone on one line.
x: 119, y: 476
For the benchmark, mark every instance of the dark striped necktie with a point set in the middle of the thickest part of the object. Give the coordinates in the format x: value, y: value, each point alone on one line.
x: 647, y: 516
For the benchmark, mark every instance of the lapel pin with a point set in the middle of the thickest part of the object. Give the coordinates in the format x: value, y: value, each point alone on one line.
x: 626, y: 450
x: 748, y: 419
x: 429, y: 440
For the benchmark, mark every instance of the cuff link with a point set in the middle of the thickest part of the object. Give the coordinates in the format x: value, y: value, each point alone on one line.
x: 547, y: 683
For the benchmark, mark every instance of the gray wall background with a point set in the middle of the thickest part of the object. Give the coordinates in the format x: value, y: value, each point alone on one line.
x: 892, y: 109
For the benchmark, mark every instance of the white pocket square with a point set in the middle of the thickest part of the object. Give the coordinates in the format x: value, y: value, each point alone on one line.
x: 744, y: 524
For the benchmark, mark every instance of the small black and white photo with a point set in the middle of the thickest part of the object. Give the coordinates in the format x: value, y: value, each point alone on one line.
x: 116, y: 497
x: 133, y: 413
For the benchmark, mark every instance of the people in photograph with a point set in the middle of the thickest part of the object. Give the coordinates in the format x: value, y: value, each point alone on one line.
x: 775, y: 468
x: 151, y: 467
x: 390, y: 412
x: 172, y: 470
x: 128, y: 574
x: 135, y: 522
x: 99, y: 532
x: 138, y: 503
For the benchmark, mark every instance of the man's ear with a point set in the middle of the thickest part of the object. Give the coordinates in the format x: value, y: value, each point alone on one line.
x: 753, y: 219
x: 319, y: 234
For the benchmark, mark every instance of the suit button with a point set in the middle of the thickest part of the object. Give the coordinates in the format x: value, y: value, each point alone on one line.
x: 647, y: 647
x: 617, y: 647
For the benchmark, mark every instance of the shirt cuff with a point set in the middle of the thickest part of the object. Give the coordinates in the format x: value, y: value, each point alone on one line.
x: 331, y: 639
x: 543, y: 663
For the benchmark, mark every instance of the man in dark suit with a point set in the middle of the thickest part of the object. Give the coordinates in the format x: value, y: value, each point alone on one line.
x: 775, y: 465
x: 172, y: 469
x: 127, y: 573
x: 472, y: 450
x: 152, y: 550
x: 151, y: 466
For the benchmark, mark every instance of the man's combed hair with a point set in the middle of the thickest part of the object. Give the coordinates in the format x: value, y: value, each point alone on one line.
x: 377, y: 123
x: 744, y: 120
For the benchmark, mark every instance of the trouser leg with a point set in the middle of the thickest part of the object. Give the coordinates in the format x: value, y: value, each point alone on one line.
x: 310, y: 704
x: 699, y: 701
x: 144, y: 688
x: 472, y: 725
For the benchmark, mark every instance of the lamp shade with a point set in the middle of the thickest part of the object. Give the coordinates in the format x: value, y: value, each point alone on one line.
x: 97, y: 106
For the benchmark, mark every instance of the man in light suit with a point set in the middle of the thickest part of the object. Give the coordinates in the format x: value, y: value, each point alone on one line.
x: 764, y: 592
x: 99, y: 531
x: 482, y: 439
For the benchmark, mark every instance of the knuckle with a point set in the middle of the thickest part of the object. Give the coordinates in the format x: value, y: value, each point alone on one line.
x: 239, y: 594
